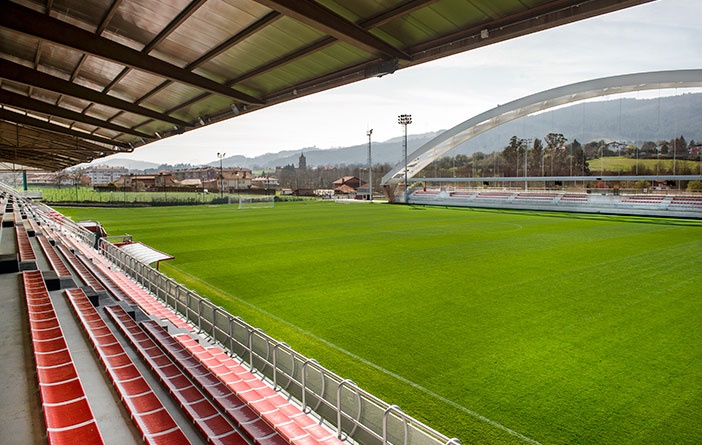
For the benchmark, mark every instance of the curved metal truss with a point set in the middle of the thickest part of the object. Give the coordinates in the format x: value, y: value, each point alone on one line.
x: 543, y: 100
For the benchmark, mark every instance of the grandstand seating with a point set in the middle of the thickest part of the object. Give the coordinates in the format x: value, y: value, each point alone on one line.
x: 126, y: 290
x: 68, y: 416
x: 463, y: 194
x: 644, y: 199
x: 544, y: 197
x: 279, y: 412
x: 574, y: 197
x: 494, y: 195
x: 146, y: 410
x: 690, y: 202
x: 213, y: 425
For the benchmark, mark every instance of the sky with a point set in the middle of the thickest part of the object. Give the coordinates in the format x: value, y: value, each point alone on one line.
x: 661, y: 35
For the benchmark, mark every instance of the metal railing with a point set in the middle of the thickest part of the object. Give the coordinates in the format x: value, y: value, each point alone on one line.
x: 354, y: 413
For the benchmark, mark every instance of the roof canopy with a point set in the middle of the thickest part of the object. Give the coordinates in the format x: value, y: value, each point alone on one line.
x: 82, y: 79
x: 145, y: 254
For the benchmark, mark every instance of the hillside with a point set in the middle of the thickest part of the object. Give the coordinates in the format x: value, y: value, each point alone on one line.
x: 626, y: 120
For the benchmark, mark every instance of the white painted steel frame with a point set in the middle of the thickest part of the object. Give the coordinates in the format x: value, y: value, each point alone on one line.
x: 543, y: 100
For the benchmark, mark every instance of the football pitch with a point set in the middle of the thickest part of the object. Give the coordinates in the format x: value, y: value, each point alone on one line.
x: 489, y: 326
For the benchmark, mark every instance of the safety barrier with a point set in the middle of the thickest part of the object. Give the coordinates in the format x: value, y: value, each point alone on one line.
x: 354, y: 413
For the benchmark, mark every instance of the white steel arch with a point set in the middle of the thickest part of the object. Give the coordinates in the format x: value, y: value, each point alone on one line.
x: 543, y: 100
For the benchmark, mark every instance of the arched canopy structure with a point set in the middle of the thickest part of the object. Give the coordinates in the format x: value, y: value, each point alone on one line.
x: 84, y: 79
x: 544, y: 100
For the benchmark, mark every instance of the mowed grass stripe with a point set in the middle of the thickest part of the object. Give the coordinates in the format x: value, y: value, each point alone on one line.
x: 565, y: 328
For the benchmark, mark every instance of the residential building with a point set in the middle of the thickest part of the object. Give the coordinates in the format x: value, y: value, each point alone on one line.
x: 104, y: 174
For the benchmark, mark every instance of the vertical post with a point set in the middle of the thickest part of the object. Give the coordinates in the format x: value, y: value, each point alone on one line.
x: 221, y: 177
x: 405, y: 120
x: 526, y: 147
x: 370, y: 166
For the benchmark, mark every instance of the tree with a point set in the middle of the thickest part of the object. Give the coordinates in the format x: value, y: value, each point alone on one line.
x: 535, y: 158
x: 579, y: 160
x: 510, y: 154
x: 679, y: 146
x: 694, y: 186
x: 556, y: 153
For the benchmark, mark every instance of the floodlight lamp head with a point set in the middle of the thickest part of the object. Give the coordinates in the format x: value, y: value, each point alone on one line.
x: 404, y: 119
x: 369, y: 132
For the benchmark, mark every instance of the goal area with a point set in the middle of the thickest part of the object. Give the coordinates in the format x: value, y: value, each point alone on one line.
x: 256, y: 202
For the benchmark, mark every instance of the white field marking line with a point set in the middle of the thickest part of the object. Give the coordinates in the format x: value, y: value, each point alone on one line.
x: 371, y: 364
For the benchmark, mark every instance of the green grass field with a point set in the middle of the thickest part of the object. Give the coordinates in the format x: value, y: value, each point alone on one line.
x: 494, y: 327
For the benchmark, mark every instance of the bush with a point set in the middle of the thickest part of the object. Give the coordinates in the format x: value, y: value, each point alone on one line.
x: 694, y: 186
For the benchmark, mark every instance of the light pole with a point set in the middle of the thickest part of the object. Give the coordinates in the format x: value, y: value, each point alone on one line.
x: 526, y: 143
x: 221, y: 177
x: 405, y: 120
x: 370, y: 166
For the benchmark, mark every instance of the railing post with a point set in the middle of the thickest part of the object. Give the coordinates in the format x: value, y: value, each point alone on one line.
x: 320, y: 396
x: 386, y: 414
x: 275, y: 366
x: 199, y: 316
x: 339, y: 410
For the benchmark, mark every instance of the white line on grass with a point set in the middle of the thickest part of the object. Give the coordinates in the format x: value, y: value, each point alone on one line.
x: 366, y: 362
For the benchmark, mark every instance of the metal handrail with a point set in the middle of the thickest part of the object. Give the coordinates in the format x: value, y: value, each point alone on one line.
x: 396, y: 409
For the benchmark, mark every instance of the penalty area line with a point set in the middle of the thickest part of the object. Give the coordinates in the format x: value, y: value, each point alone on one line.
x: 366, y: 362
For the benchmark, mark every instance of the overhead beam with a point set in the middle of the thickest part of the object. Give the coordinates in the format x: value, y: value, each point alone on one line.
x: 319, y: 17
x: 28, y: 103
x: 219, y: 49
x: 21, y: 74
x: 27, y: 21
x: 185, y: 14
x: 11, y: 116
x: 9, y: 133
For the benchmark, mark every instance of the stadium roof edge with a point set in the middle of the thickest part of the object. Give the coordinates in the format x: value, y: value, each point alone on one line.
x: 82, y: 80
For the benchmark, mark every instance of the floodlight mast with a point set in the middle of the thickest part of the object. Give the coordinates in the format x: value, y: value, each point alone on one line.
x: 221, y: 176
x: 405, y: 120
x: 370, y: 166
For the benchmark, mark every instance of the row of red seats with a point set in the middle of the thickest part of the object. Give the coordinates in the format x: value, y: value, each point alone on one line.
x: 67, y: 413
x: 574, y: 197
x: 215, y: 426
x: 126, y: 290
x: 24, y: 247
x: 536, y: 196
x: 270, y: 405
x: 53, y: 257
x: 81, y: 270
x: 152, y: 419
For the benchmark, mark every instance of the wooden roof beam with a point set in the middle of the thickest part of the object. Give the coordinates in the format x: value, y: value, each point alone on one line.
x: 28, y: 103
x: 21, y: 74
x: 18, y: 118
x: 319, y: 17
x: 27, y: 21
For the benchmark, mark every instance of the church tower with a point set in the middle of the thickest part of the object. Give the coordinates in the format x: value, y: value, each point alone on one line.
x: 302, y: 163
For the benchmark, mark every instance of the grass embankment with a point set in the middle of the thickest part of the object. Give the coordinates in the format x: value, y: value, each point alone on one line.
x: 562, y: 328
x: 627, y: 166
